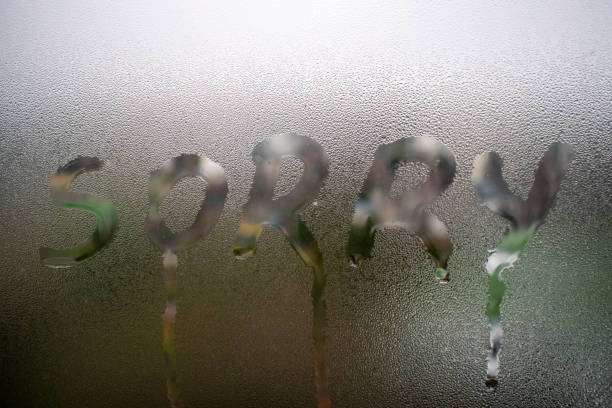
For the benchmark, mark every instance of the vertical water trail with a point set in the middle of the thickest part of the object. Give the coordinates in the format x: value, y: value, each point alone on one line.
x: 502, y: 258
x: 160, y: 184
x: 304, y: 243
x: 376, y: 208
x: 282, y: 213
x: 308, y: 250
x: 525, y: 217
x: 169, y: 319
x: 319, y: 323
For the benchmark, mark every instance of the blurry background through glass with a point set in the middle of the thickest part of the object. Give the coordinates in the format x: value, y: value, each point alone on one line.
x: 138, y: 83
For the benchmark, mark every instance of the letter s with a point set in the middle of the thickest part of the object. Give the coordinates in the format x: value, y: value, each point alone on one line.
x: 103, y: 210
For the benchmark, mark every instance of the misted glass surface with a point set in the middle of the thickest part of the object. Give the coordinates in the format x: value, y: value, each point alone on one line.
x: 386, y: 161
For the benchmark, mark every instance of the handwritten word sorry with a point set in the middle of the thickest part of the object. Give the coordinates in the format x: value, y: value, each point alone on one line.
x: 374, y: 209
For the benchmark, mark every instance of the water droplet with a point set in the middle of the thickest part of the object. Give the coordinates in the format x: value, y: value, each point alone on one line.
x: 442, y: 275
x: 354, y: 260
x: 491, y: 384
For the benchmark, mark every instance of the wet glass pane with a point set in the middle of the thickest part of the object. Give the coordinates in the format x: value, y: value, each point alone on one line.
x: 268, y: 204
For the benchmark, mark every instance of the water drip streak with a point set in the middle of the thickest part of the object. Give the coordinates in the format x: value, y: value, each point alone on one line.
x: 318, y: 335
x: 525, y: 216
x: 502, y: 258
x: 169, y: 319
x: 304, y: 243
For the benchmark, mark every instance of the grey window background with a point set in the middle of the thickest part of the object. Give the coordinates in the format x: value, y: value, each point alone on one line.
x: 137, y: 83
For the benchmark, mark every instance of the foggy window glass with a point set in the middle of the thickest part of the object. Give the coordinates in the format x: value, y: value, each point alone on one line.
x: 305, y: 204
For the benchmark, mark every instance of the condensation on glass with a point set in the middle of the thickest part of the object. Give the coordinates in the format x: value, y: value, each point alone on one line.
x: 134, y: 85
